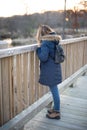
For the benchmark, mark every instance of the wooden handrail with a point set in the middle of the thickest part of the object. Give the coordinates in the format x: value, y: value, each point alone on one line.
x: 23, y: 49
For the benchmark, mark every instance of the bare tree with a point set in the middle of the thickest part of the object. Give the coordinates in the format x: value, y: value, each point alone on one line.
x: 25, y: 2
x: 84, y: 4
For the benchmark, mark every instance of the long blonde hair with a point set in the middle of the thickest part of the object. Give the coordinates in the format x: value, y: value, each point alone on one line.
x: 42, y: 31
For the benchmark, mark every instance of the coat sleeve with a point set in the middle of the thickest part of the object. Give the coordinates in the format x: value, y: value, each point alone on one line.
x: 43, y: 52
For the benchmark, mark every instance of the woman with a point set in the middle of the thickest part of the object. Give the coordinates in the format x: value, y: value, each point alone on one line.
x: 50, y: 72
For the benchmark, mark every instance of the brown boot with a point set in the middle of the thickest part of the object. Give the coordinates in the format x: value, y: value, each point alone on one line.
x: 51, y: 111
x: 53, y: 115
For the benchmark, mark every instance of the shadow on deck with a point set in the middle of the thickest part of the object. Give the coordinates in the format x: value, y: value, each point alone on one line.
x: 73, y: 110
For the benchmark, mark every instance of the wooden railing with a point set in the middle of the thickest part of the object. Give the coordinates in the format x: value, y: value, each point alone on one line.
x: 19, y: 73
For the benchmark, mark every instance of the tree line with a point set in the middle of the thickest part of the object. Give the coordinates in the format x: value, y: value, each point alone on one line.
x: 25, y: 26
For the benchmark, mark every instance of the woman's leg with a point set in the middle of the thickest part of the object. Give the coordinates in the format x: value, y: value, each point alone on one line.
x: 56, y: 97
x: 55, y: 112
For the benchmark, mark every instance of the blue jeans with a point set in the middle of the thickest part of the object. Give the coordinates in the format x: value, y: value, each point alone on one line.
x: 56, y: 97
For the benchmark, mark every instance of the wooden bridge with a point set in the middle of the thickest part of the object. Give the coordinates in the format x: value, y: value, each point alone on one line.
x: 21, y: 97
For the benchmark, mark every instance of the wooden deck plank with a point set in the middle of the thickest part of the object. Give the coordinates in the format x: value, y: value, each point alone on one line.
x: 74, y: 108
x: 78, y: 94
x: 63, y: 123
x: 65, y: 120
x: 69, y: 120
x: 79, y: 89
x: 65, y: 117
x: 73, y: 111
x: 44, y: 126
x: 74, y: 100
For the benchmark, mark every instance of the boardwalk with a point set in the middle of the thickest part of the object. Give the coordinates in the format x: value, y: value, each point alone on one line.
x: 73, y: 110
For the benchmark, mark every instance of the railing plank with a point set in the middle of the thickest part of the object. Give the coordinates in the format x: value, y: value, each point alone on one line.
x: 10, y: 80
x: 1, y: 100
x: 25, y: 81
x: 5, y: 90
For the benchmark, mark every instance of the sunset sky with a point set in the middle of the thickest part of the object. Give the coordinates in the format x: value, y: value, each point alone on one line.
x: 20, y: 7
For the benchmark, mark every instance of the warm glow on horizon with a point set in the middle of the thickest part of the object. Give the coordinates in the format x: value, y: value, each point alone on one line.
x: 20, y: 7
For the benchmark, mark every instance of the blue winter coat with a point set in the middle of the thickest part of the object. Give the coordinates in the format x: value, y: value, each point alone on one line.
x: 50, y: 72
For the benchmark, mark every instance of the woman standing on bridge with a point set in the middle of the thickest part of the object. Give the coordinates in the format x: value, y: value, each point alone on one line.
x: 50, y: 72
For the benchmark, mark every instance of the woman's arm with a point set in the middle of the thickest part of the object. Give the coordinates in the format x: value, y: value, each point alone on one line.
x: 43, y: 52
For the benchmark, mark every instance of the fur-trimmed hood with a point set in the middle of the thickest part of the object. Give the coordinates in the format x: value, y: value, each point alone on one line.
x: 51, y: 37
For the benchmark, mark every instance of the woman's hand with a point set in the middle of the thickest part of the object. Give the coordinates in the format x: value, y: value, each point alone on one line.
x: 39, y: 44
